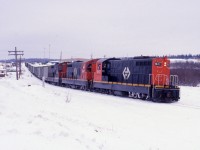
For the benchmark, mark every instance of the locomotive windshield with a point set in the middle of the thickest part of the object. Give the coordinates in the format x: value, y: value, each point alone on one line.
x: 158, y: 64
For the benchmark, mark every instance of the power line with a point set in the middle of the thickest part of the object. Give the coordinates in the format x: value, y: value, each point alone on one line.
x: 17, y: 53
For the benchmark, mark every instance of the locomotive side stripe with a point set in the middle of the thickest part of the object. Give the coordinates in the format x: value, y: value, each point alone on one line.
x: 129, y: 84
x: 120, y: 83
x: 162, y: 86
x: 73, y: 79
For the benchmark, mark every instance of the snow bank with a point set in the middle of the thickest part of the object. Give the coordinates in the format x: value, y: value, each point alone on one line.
x: 56, y: 118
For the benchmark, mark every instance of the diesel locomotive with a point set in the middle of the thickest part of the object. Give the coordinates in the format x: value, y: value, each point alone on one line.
x: 146, y: 78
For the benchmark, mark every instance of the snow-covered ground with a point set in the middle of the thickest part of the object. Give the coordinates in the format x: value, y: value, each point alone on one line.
x: 54, y: 118
x: 185, y: 60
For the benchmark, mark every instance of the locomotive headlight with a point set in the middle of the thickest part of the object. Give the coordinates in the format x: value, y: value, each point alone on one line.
x: 165, y: 64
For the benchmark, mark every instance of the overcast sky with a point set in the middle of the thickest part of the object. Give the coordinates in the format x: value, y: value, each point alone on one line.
x: 80, y: 28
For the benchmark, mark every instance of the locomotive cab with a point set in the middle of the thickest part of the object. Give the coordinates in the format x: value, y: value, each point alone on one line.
x: 164, y: 86
x: 88, y: 69
x: 160, y: 71
x: 62, y: 71
x: 103, y: 68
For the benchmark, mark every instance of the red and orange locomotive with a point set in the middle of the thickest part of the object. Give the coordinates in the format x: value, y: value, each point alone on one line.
x: 146, y: 78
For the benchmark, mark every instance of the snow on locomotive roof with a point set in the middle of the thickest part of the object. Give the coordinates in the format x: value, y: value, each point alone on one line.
x: 42, y: 65
x: 104, y: 59
x: 136, y: 57
x: 74, y: 60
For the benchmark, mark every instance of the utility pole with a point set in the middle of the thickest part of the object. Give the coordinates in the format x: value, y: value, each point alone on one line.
x: 91, y: 55
x: 44, y: 53
x: 20, y: 66
x: 16, y: 53
x: 49, y: 51
x: 61, y: 56
x: 44, y: 56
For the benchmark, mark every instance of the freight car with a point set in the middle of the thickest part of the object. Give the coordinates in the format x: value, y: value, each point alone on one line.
x: 146, y: 78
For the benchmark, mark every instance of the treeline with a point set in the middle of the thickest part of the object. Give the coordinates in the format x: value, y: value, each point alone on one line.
x: 182, y: 56
x: 38, y: 60
x: 30, y: 60
x: 188, y: 72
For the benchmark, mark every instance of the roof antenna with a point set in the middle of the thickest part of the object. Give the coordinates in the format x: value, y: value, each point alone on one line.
x: 60, y: 56
x: 91, y: 56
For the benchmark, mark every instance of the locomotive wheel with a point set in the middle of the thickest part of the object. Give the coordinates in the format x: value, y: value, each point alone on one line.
x: 135, y: 95
x: 144, y: 97
x: 106, y: 92
x: 83, y: 88
x: 111, y: 92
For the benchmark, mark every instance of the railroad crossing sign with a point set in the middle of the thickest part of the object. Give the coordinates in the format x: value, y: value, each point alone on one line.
x: 126, y: 73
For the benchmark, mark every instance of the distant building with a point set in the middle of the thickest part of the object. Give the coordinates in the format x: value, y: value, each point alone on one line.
x: 2, y: 71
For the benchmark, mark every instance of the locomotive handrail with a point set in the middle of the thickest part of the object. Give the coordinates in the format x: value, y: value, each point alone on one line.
x: 160, y: 77
x: 174, y: 80
x: 151, y: 77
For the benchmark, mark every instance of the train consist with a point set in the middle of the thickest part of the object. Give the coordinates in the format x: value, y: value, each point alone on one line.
x: 146, y: 78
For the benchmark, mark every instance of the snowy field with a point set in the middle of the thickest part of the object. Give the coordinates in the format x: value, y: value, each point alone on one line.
x: 54, y: 118
x: 185, y: 60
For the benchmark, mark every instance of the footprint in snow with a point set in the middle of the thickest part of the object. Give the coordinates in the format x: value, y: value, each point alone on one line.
x: 37, y: 132
x: 12, y: 131
x: 63, y: 133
